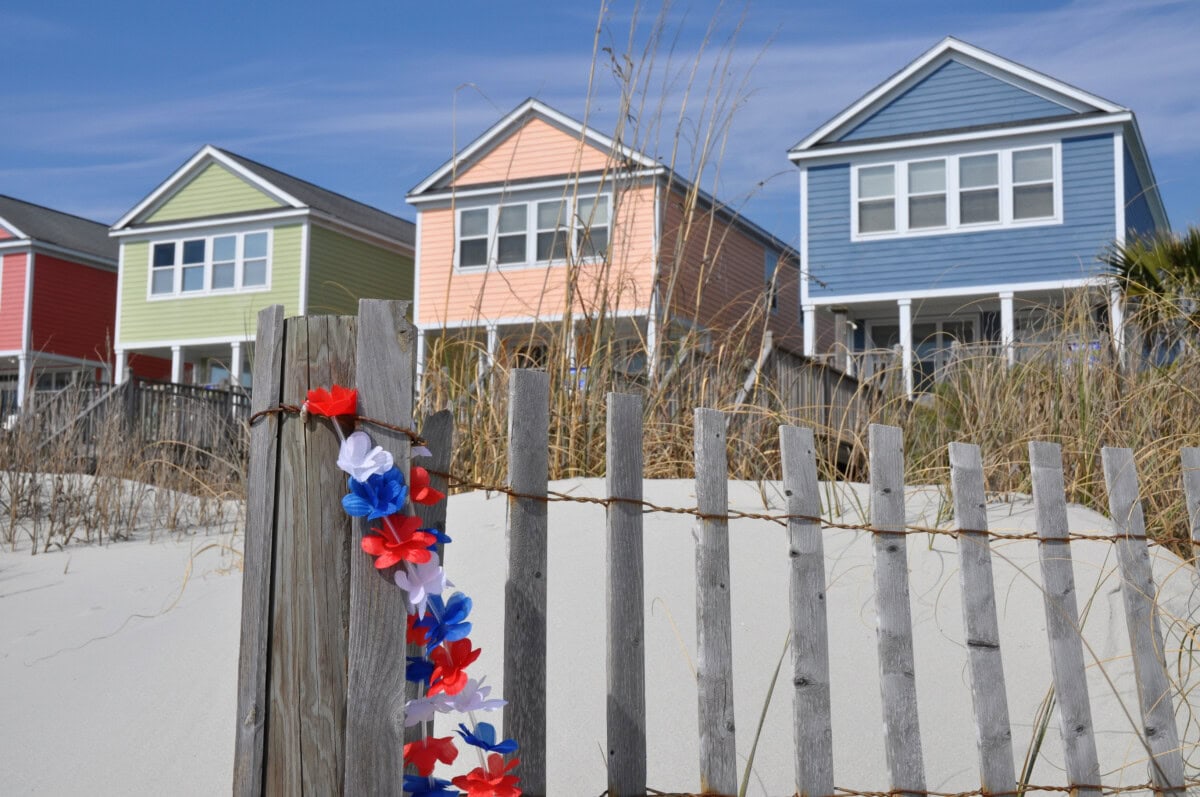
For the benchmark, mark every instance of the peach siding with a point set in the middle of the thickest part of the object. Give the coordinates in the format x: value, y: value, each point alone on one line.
x: 449, y: 297
x: 536, y: 149
x: 12, y: 301
x: 721, y: 275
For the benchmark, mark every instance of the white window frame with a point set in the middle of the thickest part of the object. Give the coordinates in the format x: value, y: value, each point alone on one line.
x: 176, y: 268
x: 953, y: 223
x: 571, y: 230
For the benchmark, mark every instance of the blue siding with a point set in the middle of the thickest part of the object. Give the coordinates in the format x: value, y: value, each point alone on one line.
x: 1138, y: 219
x: 954, y: 95
x: 965, y: 259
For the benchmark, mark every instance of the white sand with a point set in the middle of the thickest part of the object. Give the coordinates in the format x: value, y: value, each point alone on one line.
x: 105, y: 693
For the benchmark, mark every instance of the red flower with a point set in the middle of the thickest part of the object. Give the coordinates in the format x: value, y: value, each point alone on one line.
x: 398, y: 541
x: 419, y: 489
x: 450, y: 666
x: 416, y: 636
x: 425, y: 753
x: 336, y: 401
x: 490, y: 781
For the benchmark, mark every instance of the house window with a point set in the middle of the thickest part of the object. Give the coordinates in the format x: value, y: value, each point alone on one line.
x: 927, y: 194
x: 510, y: 235
x: 1033, y: 183
x: 473, y: 238
x: 591, y: 227
x: 551, y: 232
x: 979, y: 189
x: 212, y: 264
x: 540, y: 231
x: 876, y: 199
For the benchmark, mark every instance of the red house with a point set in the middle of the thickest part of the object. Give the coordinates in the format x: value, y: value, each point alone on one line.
x: 58, y: 294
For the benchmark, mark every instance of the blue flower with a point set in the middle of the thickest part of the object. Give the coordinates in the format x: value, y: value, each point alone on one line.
x: 421, y: 786
x: 442, y: 538
x: 446, y: 621
x: 379, y: 496
x: 485, y: 737
x: 419, y: 669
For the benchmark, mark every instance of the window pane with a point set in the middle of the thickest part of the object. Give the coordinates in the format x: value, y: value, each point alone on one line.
x: 976, y: 207
x: 876, y: 181
x: 193, y: 251
x: 255, y: 245
x: 164, y: 255
x: 549, y: 215
x: 1032, y: 165
x: 474, y: 222
x: 163, y: 281
x: 511, y: 249
x: 927, y: 177
x: 958, y: 331
x: 1033, y: 201
x: 552, y: 246
x: 193, y: 278
x: 978, y: 171
x: 512, y: 219
x: 876, y: 216
x: 225, y: 247
x: 593, y: 211
x: 885, y: 336
x: 473, y: 253
x: 254, y: 272
x: 222, y: 275
x: 927, y: 211
x: 593, y: 242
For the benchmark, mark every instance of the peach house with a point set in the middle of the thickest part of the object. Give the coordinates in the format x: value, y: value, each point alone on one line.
x: 543, y: 222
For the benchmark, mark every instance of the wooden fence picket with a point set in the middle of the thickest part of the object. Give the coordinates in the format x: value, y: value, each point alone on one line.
x: 1062, y: 619
x: 1160, y: 734
x: 525, y: 589
x: 988, y: 694
x: 811, y: 716
x: 714, y: 645
x: 1190, y: 459
x: 626, y: 610
x: 897, y: 671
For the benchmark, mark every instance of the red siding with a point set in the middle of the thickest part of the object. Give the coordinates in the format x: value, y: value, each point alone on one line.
x: 73, y: 309
x: 147, y: 367
x: 12, y: 301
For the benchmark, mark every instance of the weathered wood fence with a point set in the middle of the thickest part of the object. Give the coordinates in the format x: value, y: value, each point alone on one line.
x: 321, y: 680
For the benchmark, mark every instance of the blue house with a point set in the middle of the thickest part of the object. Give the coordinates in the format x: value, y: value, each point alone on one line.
x: 959, y: 198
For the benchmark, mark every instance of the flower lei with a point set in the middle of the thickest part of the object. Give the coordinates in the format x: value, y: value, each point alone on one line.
x: 378, y: 492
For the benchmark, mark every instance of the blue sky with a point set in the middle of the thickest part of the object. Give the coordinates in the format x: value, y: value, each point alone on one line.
x: 102, y: 101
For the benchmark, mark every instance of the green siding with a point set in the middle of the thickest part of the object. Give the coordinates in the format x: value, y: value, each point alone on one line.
x: 205, y: 316
x: 213, y: 192
x: 343, y: 270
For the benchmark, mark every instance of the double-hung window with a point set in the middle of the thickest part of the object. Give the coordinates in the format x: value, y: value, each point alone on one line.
x: 535, y: 232
x: 927, y: 194
x: 591, y: 227
x: 473, y: 238
x: 1033, y: 183
x: 877, y: 199
x: 979, y: 189
x: 209, y: 264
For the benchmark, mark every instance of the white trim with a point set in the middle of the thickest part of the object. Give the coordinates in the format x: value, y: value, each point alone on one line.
x: 416, y: 280
x: 304, y: 266
x: 27, y: 325
x: 516, y: 321
x: 1119, y: 186
x: 148, y: 231
x: 837, y: 153
x: 74, y: 255
x: 120, y: 365
x: 559, y: 182
x: 186, y: 342
x: 177, y: 364
x: 932, y: 59
x: 190, y: 170
x: 531, y: 107
x: 805, y: 270
x: 38, y: 357
x: 22, y: 378
x: 904, y: 306
x: 16, y: 233
x: 809, y: 311
x: 972, y: 290
x: 11, y: 353
x: 239, y: 265
x: 120, y: 292
x: 1007, y: 326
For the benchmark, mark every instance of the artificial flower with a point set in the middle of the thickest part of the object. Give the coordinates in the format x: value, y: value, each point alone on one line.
x: 474, y: 697
x: 336, y: 401
x: 418, y: 670
x: 420, y: 581
x: 399, y: 540
x: 422, y: 709
x: 362, y: 461
x: 379, y: 496
x: 416, y: 635
x: 492, y: 780
x: 421, y: 492
x: 484, y: 736
x: 450, y: 663
x: 418, y: 786
x: 446, y: 622
x: 425, y: 753
x: 442, y: 538
x: 421, y: 451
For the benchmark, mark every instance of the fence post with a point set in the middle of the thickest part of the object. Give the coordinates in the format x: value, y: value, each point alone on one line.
x: 714, y: 645
x: 626, y: 609
x: 525, y: 589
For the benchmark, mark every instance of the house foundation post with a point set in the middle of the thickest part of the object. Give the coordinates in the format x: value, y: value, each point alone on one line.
x: 1006, y: 327
x: 906, y: 344
x: 22, y: 378
x: 235, y: 364
x: 120, y: 363
x: 177, y: 364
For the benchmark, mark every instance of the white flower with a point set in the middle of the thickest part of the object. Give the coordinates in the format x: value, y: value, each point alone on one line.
x: 474, y: 697
x: 360, y: 460
x: 422, y: 709
x: 420, y: 581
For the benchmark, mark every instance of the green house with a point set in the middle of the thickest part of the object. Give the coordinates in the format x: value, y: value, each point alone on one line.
x: 224, y: 237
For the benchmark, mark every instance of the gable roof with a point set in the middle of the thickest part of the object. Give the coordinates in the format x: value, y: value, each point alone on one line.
x: 63, y: 230
x: 514, y: 120
x: 288, y: 190
x: 1075, y: 101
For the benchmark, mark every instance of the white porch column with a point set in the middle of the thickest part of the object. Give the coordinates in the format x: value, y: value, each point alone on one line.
x: 810, y: 330
x: 420, y: 361
x: 1006, y: 327
x: 177, y: 364
x: 235, y: 364
x: 22, y: 378
x: 906, y: 345
x: 493, y: 344
x: 119, y: 367
x: 1116, y: 314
